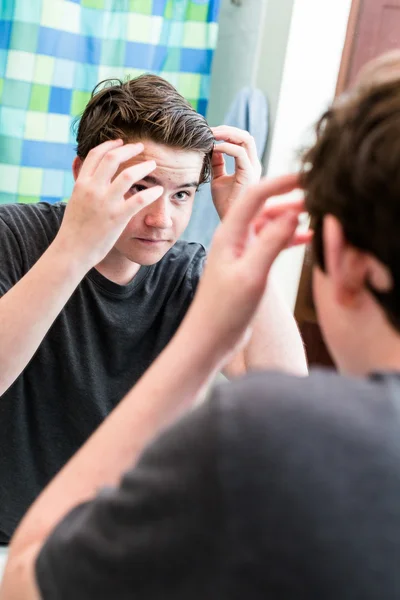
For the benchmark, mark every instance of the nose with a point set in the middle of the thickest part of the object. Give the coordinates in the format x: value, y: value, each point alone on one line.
x: 158, y: 214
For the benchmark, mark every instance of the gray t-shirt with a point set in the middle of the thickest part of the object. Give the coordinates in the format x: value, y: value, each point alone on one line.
x: 278, y: 488
x: 101, y: 343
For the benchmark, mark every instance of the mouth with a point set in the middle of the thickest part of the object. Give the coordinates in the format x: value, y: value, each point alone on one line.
x: 150, y: 242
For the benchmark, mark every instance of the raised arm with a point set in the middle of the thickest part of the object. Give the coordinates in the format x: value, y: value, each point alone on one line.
x: 275, y: 341
x: 227, y: 299
x: 95, y: 216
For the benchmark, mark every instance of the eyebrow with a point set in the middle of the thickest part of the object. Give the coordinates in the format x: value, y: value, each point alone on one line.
x: 155, y: 181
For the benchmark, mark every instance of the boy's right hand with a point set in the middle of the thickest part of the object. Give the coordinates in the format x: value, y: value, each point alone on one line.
x: 98, y: 212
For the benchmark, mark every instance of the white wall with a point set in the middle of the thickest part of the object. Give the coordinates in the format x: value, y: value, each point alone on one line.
x: 313, y: 57
x: 291, y: 49
x: 270, y: 58
x: 251, y: 49
x: 236, y: 54
x: 3, y: 559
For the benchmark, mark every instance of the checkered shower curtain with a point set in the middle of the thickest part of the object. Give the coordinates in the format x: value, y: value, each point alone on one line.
x: 52, y: 54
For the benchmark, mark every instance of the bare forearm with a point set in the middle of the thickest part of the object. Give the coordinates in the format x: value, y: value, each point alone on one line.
x: 275, y: 342
x: 29, y: 309
x: 228, y: 297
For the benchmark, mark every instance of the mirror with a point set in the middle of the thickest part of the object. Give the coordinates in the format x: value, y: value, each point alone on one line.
x: 268, y: 66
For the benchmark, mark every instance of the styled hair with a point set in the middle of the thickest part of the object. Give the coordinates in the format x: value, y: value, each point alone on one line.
x: 353, y: 172
x: 144, y: 108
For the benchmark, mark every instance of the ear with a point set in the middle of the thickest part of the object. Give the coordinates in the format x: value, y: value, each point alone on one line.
x: 76, y: 166
x: 346, y: 266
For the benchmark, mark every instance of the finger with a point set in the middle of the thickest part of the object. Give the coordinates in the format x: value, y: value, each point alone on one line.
x: 113, y: 159
x: 301, y: 238
x: 242, y: 161
x: 218, y: 165
x: 277, y: 235
x: 94, y: 157
x: 270, y: 211
x: 125, y: 180
x: 275, y: 209
x: 232, y: 134
x: 142, y: 199
x: 240, y: 137
x: 242, y: 212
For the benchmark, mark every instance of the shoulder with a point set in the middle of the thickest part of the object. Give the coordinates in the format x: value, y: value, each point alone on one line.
x: 299, y: 411
x: 26, y: 231
x: 310, y: 470
x: 21, y: 218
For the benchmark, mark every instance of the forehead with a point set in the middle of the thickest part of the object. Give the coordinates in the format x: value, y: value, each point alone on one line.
x: 175, y: 165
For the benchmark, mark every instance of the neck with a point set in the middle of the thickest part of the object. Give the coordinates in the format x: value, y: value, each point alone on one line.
x: 117, y: 268
x: 385, y: 356
x: 377, y: 348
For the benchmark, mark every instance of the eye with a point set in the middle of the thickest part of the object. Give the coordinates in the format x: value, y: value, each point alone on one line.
x: 182, y: 196
x: 135, y: 188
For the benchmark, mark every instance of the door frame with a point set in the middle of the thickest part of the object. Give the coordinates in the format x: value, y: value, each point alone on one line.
x: 348, y: 46
x: 304, y: 308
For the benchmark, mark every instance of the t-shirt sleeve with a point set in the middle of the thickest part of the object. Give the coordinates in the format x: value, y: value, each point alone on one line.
x: 197, y: 268
x: 10, y: 258
x: 153, y: 535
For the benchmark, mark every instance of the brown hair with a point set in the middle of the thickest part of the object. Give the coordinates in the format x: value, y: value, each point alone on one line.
x: 147, y: 107
x: 353, y: 172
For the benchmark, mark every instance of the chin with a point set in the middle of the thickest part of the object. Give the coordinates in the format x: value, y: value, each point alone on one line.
x: 146, y: 257
x: 148, y: 261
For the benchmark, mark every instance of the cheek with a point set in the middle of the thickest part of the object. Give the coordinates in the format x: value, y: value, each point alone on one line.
x: 127, y: 234
x: 182, y: 217
x: 180, y: 224
x: 132, y: 226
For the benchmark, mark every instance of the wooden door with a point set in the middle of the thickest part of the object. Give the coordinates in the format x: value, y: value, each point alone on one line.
x: 377, y: 30
x: 373, y: 28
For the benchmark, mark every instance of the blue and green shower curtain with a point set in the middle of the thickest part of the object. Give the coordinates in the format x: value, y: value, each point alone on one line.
x: 52, y: 54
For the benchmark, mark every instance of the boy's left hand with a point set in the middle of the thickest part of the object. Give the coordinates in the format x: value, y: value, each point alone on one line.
x: 225, y: 189
x: 242, y: 252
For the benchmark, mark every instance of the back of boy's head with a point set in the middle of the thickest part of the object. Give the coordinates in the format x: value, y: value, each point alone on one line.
x: 145, y: 108
x: 353, y: 172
